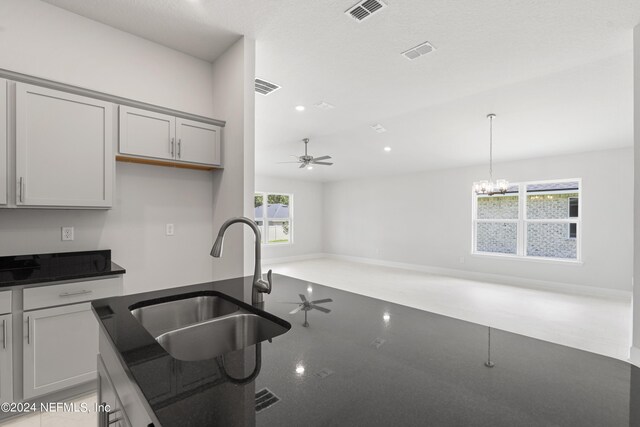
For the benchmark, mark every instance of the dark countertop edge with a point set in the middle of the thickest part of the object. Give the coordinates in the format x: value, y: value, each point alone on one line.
x: 136, y: 388
x: 113, y: 271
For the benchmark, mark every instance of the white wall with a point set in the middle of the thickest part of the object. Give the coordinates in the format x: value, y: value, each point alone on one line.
x: 425, y: 219
x: 307, y: 216
x: 42, y: 40
x: 234, y: 76
x: 635, y: 350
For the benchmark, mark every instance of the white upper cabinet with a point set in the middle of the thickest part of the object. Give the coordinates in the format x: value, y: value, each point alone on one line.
x: 64, y: 149
x: 3, y: 142
x: 148, y: 134
x: 197, y: 142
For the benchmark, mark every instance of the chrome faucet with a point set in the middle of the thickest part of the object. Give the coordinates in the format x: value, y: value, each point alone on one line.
x: 260, y: 285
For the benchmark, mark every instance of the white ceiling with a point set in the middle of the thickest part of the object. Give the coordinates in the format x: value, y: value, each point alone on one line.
x: 557, y: 73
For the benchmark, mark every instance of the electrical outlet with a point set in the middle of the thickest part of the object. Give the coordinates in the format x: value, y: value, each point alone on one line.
x: 170, y: 230
x: 67, y: 233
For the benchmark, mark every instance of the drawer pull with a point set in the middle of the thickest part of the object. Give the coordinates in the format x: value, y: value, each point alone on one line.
x: 73, y: 294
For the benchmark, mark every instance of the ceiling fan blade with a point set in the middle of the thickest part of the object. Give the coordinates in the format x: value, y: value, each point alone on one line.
x: 297, y: 309
x: 322, y: 309
x: 286, y: 162
x: 302, y: 166
x: 295, y: 157
x: 321, y: 158
x: 303, y: 298
x: 320, y: 301
x: 322, y: 163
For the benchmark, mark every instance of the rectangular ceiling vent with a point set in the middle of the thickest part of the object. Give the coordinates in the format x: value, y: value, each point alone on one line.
x: 365, y: 9
x: 418, y: 51
x: 265, y: 88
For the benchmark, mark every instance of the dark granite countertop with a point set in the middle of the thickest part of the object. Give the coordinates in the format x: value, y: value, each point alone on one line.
x: 42, y: 268
x: 372, y: 363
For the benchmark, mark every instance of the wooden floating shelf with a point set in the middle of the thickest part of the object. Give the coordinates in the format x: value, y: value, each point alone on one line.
x: 165, y: 163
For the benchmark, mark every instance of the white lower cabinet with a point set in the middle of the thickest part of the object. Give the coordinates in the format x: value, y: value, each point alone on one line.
x: 108, y: 398
x: 6, y: 361
x: 60, y: 347
x: 3, y: 142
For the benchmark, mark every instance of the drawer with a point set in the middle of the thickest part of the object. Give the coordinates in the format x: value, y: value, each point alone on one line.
x: 5, y: 302
x: 71, y: 293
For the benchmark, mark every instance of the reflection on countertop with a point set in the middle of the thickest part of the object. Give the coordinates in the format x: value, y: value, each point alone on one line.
x: 371, y: 362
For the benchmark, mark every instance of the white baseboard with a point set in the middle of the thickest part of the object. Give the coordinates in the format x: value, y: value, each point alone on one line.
x: 634, y: 356
x: 492, y: 278
x: 280, y: 260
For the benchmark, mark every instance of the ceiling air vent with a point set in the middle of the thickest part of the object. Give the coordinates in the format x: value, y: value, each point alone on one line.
x: 365, y: 9
x: 265, y: 88
x: 418, y: 51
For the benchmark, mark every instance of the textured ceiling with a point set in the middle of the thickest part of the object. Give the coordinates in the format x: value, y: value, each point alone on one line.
x: 557, y: 73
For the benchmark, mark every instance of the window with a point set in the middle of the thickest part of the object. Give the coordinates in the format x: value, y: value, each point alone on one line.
x: 274, y: 218
x: 533, y: 220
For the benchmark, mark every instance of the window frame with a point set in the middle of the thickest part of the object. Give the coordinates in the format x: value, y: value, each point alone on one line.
x: 265, y: 218
x: 522, y: 221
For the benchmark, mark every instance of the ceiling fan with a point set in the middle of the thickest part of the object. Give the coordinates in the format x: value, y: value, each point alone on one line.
x: 307, y: 305
x: 307, y: 161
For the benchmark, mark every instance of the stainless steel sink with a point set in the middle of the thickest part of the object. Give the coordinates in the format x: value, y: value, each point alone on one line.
x: 206, y: 325
x: 168, y: 316
x: 219, y: 336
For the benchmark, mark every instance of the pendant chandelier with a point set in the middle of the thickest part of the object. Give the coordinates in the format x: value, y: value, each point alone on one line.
x: 500, y: 186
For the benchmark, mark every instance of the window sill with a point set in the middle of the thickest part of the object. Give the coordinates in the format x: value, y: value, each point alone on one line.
x: 543, y: 260
x: 278, y: 244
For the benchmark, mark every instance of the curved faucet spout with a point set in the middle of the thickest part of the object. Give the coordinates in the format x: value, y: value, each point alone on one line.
x: 260, y: 286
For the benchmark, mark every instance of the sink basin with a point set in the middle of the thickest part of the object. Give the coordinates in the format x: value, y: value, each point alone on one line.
x: 219, y: 336
x: 167, y: 316
x: 205, y: 324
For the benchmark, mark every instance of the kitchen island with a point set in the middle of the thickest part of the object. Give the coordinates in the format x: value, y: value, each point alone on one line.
x: 366, y: 362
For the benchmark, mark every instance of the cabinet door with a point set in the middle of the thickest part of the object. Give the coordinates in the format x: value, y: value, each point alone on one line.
x: 3, y: 142
x: 60, y: 348
x: 64, y: 149
x: 147, y: 134
x: 107, y: 395
x: 6, y: 360
x: 197, y: 142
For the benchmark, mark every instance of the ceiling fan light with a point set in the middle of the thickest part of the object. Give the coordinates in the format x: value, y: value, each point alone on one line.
x: 309, y: 167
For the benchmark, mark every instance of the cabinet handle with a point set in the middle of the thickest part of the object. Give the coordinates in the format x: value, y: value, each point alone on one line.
x: 4, y: 333
x: 72, y: 294
x: 21, y: 189
x: 28, y: 329
x: 179, y: 148
x: 112, y: 421
x: 172, y: 145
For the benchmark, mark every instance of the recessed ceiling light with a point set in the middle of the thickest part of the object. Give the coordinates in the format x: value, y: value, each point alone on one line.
x: 387, y: 149
x: 378, y: 128
x: 299, y: 369
x: 324, y: 106
x: 300, y: 108
x: 309, y: 167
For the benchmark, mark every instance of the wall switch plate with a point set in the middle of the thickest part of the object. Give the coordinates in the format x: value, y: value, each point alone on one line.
x: 170, y: 230
x: 67, y: 233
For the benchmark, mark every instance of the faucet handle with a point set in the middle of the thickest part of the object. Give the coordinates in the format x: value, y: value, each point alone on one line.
x: 269, y: 280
